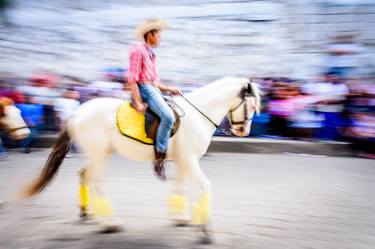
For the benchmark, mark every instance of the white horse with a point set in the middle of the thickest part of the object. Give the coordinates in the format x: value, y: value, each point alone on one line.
x: 93, y: 127
x: 11, y: 120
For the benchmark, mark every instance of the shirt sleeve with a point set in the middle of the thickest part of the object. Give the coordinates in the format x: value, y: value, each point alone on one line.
x: 135, y: 64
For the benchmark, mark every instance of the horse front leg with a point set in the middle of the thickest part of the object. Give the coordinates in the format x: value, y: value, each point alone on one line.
x: 103, y: 210
x: 202, y: 209
x: 178, y: 201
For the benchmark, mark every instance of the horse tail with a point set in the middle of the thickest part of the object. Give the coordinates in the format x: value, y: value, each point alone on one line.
x: 55, y: 158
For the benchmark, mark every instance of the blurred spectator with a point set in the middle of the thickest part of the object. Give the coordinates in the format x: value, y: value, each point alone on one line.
x: 86, y: 93
x: 33, y: 115
x: 109, y: 89
x: 360, y: 110
x: 64, y: 107
x: 361, y: 133
x: 115, y: 74
x: 332, y: 93
x: 43, y: 90
x: 304, y: 121
x: 280, y: 107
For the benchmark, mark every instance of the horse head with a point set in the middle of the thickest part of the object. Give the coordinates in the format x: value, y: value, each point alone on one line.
x: 241, y: 115
x: 12, y: 121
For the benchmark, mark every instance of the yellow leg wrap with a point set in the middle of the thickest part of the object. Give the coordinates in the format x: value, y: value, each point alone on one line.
x: 84, y: 197
x: 102, y: 207
x: 177, y: 204
x: 202, y: 210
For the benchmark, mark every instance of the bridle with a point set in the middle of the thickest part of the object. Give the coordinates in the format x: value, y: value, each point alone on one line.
x: 245, y: 94
x: 246, y: 116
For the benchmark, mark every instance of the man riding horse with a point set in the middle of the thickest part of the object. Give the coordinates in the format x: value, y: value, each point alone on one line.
x: 146, y: 87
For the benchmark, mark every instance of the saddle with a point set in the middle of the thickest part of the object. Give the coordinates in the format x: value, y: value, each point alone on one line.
x: 152, y: 122
x: 141, y: 127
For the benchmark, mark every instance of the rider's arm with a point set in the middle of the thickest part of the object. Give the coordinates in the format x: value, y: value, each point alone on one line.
x: 135, y: 66
x: 135, y: 92
x: 173, y: 90
x: 161, y: 86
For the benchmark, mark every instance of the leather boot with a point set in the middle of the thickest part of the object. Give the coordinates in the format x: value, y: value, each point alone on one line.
x: 159, y: 165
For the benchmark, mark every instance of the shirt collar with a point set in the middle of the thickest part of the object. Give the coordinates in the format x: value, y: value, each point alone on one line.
x: 150, y: 49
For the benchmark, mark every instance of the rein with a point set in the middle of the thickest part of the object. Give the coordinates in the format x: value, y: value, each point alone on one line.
x: 196, y: 108
x: 246, y: 114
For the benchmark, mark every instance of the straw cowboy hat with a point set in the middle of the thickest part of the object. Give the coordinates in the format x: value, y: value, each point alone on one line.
x: 149, y: 25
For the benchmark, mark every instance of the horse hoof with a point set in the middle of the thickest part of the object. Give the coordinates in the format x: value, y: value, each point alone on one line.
x: 111, y: 226
x: 206, y: 240
x: 112, y: 229
x: 87, y: 220
x: 84, y: 216
x: 206, y: 237
x: 181, y: 223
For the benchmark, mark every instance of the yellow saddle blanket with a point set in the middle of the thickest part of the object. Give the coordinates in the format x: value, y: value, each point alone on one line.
x: 132, y: 123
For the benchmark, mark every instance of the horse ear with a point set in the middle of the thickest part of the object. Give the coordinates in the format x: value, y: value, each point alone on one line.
x: 249, y: 90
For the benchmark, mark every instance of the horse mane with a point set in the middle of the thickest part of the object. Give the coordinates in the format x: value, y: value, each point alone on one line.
x: 230, y: 80
x: 214, y: 85
x: 258, y: 96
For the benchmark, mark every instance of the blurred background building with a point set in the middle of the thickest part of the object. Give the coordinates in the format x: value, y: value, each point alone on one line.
x: 207, y: 39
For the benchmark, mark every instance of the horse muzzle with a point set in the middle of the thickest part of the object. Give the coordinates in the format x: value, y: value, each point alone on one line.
x: 240, y: 132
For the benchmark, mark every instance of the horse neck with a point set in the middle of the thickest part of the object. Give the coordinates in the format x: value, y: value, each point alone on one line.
x: 215, y: 100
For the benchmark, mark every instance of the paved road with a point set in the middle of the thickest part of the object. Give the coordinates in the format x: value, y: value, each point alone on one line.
x: 260, y: 201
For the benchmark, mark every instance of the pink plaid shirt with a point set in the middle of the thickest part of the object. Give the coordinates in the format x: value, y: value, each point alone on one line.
x: 142, y: 68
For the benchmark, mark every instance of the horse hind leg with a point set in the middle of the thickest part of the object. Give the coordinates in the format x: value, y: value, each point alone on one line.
x: 92, y: 199
x: 84, y: 194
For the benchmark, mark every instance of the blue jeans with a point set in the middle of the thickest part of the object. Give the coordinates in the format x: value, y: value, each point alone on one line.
x: 2, y: 149
x: 31, y: 138
x: 152, y: 96
x: 332, y: 121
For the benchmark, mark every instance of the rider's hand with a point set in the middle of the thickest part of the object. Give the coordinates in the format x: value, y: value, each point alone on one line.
x: 140, y: 106
x: 175, y: 90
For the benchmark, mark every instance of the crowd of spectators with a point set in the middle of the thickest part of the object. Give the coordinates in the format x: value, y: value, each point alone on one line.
x: 46, y: 100
x: 327, y: 108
